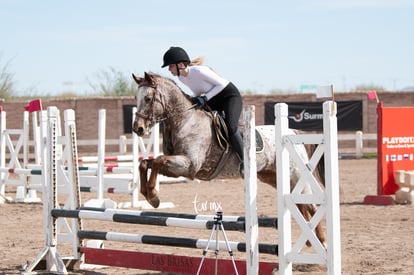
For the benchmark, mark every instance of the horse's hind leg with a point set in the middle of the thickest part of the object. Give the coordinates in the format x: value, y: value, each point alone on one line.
x: 308, y: 211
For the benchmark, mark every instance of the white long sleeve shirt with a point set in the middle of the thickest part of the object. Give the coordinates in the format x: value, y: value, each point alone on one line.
x: 203, y: 80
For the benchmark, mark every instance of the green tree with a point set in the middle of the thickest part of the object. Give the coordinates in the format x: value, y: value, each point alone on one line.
x: 112, y: 82
x: 368, y: 87
x: 6, y: 80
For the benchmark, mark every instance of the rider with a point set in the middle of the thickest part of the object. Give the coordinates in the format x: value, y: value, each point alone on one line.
x: 211, y: 89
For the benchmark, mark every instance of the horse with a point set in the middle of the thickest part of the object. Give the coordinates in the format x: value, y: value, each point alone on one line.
x: 191, y: 147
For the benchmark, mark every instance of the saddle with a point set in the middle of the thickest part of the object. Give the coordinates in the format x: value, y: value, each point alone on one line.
x: 222, y: 136
x: 222, y: 133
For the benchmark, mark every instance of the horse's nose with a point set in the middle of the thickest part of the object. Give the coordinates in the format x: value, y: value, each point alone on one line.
x: 139, y: 130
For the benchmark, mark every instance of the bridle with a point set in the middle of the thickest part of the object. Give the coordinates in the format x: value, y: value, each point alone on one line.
x: 151, y: 117
x: 166, y: 115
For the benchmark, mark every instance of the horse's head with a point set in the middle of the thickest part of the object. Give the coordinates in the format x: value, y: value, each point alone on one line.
x: 150, y: 109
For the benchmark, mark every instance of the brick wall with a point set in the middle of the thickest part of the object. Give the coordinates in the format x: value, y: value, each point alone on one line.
x: 86, y: 110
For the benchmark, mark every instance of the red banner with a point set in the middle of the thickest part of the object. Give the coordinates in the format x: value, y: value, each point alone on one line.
x: 395, y: 145
x: 34, y: 106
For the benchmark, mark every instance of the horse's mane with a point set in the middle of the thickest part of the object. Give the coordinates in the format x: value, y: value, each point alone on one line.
x: 171, y: 82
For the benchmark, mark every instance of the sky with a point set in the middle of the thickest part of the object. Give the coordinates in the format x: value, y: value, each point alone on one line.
x: 56, y: 46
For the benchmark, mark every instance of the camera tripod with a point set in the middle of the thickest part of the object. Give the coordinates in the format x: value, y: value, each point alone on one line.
x: 218, y: 225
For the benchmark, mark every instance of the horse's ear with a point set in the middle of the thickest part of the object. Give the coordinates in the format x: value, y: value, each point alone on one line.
x: 150, y: 79
x: 137, y: 79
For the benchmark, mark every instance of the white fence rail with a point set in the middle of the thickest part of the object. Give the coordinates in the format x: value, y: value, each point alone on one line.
x: 358, y: 138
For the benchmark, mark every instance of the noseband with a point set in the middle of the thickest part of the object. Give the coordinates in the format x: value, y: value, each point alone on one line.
x: 151, y: 117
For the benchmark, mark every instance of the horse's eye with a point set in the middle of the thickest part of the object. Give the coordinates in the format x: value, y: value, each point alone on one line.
x: 148, y: 99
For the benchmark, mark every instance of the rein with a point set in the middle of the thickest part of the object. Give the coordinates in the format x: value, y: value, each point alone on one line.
x: 221, y: 135
x: 161, y: 118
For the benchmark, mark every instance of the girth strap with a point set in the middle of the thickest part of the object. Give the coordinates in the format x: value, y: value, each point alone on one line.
x: 222, y: 137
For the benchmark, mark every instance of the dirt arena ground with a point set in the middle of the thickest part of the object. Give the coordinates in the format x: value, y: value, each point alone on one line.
x: 375, y: 240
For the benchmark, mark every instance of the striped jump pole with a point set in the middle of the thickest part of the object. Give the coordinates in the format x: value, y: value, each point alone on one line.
x: 82, y: 170
x: 143, y: 218
x: 119, y: 158
x: 111, y: 164
x: 88, y: 159
x: 171, y: 241
x: 21, y: 171
x: 109, y: 213
x: 87, y: 170
x: 110, y: 190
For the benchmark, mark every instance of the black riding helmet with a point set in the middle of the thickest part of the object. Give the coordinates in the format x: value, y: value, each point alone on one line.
x: 175, y: 55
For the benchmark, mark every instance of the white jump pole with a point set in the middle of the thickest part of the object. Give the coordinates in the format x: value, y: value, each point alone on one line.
x: 135, y: 171
x: 36, y: 138
x: 25, y: 139
x: 283, y: 189
x: 250, y: 191
x: 330, y: 131
x: 2, y: 156
x: 101, y: 151
x: 100, y: 201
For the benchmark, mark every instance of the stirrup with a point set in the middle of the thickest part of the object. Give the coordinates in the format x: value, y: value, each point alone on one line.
x: 241, y: 170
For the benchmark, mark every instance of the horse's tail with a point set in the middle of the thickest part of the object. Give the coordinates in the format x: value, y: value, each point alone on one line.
x: 320, y: 167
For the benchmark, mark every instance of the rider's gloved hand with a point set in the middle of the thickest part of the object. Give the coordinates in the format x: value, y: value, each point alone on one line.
x: 199, y: 100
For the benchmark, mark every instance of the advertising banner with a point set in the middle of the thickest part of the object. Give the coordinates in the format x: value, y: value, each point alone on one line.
x: 127, y: 118
x: 308, y: 116
x: 395, y: 145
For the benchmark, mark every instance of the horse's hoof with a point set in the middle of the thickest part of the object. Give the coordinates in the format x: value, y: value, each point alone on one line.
x: 143, y: 164
x: 155, y: 202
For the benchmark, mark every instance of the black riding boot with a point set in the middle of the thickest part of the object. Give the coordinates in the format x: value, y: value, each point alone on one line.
x: 236, y: 141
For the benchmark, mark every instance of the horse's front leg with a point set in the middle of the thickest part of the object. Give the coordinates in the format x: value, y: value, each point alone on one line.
x: 170, y: 166
x: 144, y: 165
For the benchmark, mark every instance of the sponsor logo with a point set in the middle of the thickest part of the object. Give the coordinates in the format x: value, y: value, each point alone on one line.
x: 303, y: 116
x: 398, y: 142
